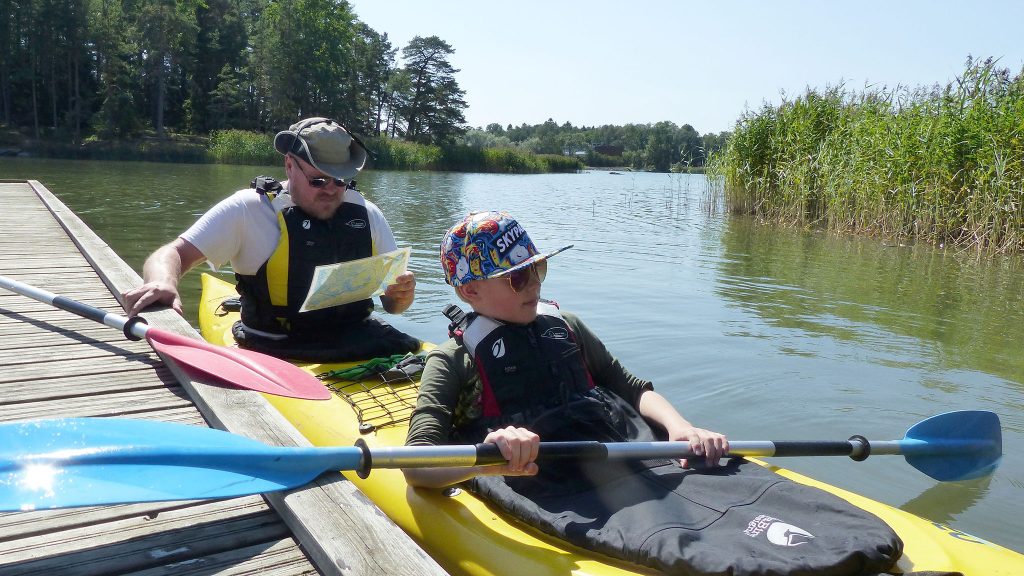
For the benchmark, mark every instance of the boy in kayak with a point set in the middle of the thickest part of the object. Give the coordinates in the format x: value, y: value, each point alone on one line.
x: 494, y: 267
x: 518, y: 370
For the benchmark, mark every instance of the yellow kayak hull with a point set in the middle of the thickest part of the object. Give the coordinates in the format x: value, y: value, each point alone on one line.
x: 467, y: 537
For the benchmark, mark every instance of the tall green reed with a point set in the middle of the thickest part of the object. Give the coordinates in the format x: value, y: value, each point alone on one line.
x: 256, y: 148
x: 943, y: 164
x: 243, y: 147
x: 401, y: 155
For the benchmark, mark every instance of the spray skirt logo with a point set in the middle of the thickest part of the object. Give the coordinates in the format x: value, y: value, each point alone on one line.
x: 777, y: 532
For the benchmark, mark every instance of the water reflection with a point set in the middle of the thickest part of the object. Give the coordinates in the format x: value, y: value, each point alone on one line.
x: 944, y: 501
x: 910, y: 306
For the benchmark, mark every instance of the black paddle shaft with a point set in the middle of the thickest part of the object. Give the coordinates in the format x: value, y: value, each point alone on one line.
x: 857, y: 448
x: 127, y: 325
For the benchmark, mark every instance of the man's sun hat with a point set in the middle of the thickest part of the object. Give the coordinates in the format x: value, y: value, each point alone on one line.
x: 325, y: 144
x: 487, y: 245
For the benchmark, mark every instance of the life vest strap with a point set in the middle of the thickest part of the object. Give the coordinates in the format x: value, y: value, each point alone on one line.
x: 266, y: 186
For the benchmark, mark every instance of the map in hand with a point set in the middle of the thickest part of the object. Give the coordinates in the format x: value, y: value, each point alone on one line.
x: 337, y: 284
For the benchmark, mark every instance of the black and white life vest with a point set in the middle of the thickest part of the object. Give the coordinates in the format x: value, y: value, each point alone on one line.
x: 272, y: 297
x: 535, y: 376
x: 525, y: 367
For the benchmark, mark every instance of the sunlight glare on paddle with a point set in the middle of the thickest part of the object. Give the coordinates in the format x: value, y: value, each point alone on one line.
x: 38, y: 479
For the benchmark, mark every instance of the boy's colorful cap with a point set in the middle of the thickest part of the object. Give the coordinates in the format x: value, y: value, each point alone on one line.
x: 487, y: 245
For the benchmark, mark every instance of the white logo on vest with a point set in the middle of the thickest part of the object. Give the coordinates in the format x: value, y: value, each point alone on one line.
x: 556, y: 333
x: 306, y: 224
x: 356, y: 223
x: 498, y: 348
x: 778, y: 532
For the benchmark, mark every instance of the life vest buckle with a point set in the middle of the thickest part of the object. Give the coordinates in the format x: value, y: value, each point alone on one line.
x: 266, y: 185
x: 458, y: 318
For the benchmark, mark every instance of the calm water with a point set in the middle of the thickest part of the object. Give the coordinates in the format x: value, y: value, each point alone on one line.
x: 756, y: 331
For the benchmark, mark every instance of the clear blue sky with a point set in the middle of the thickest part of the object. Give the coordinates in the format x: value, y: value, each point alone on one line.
x: 703, y: 63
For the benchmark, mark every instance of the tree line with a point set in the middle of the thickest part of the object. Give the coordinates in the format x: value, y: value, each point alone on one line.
x: 80, y: 70
x: 660, y: 147
x: 117, y: 68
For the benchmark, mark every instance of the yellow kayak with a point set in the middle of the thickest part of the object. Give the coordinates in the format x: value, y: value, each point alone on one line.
x: 467, y: 537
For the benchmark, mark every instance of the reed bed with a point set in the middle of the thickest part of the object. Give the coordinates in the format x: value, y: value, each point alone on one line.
x: 256, y: 148
x: 149, y: 150
x: 943, y: 165
x: 243, y: 147
x: 401, y: 155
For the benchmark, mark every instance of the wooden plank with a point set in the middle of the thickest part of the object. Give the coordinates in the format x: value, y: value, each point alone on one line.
x: 19, y: 525
x: 86, y: 292
x: 19, y: 250
x: 65, y: 346
x: 144, y: 541
x: 40, y: 312
x: 67, y: 387
x: 28, y: 333
x: 78, y: 269
x: 55, y: 279
x: 38, y: 259
x: 282, y: 558
x: 135, y: 403
x: 183, y: 414
x: 78, y: 367
x: 49, y: 242
x: 339, y: 528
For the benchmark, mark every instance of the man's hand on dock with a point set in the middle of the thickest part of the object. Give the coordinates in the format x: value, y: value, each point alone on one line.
x: 138, y: 299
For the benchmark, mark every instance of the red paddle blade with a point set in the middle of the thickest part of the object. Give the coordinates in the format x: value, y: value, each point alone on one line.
x: 237, y: 367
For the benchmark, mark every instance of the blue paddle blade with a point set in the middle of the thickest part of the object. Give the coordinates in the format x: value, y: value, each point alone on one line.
x: 956, y: 445
x: 94, y: 461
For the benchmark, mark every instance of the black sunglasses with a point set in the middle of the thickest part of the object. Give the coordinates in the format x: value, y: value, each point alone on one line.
x: 520, y: 279
x: 319, y: 181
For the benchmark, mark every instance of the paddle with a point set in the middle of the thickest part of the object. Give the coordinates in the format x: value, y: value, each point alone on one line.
x: 93, y: 461
x: 234, y: 366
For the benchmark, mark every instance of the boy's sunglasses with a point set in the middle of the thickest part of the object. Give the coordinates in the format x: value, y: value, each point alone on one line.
x: 320, y: 181
x: 520, y: 279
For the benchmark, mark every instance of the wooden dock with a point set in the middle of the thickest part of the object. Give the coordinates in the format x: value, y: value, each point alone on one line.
x: 55, y: 364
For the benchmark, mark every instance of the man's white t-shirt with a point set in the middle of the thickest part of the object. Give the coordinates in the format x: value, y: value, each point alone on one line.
x: 242, y: 229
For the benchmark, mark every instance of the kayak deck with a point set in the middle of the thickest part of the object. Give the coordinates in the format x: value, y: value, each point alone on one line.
x: 467, y: 537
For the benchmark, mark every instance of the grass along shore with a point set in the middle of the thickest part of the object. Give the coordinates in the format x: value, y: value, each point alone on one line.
x: 254, y: 148
x: 943, y: 165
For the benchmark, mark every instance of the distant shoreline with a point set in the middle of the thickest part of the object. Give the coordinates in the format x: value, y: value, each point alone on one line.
x: 250, y: 148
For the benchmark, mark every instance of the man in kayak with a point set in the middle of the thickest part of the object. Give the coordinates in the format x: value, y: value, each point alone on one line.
x: 518, y: 370
x: 275, y: 235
